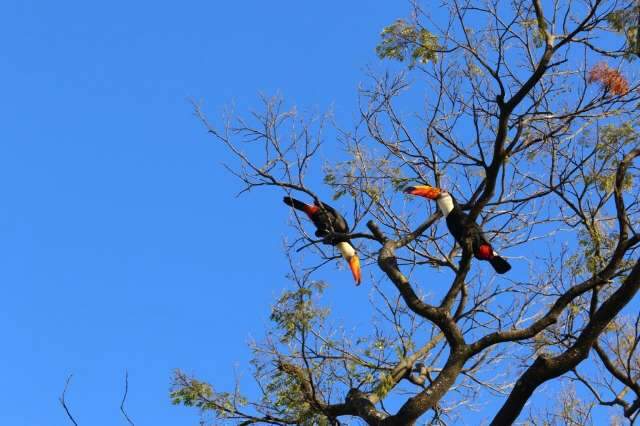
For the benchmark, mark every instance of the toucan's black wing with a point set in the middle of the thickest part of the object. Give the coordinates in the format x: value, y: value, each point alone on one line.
x: 321, y: 233
x: 462, y: 227
x: 337, y: 220
x: 340, y: 224
x: 479, y: 238
x: 327, y: 207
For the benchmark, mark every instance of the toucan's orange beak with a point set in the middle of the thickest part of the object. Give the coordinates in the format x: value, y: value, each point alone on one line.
x: 354, y: 265
x: 423, y: 191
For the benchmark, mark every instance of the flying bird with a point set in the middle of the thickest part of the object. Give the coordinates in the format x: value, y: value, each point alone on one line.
x: 326, y: 221
x: 460, y: 226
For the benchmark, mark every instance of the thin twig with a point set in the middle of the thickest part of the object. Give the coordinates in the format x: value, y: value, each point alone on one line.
x: 124, y: 398
x: 64, y: 402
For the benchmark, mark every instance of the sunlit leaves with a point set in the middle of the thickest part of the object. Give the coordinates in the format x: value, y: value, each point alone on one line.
x: 345, y: 177
x: 295, y: 310
x: 609, y: 148
x: 191, y: 392
x: 626, y: 22
x: 385, y: 384
x: 194, y: 393
x: 597, y: 246
x: 285, y: 393
x: 613, y: 138
x: 402, y: 41
x: 536, y: 36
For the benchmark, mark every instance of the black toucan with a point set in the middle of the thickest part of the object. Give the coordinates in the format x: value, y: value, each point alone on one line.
x: 325, y: 219
x: 461, y: 226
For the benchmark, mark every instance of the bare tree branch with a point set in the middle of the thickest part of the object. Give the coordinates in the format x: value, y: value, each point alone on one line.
x: 124, y: 398
x: 63, y: 401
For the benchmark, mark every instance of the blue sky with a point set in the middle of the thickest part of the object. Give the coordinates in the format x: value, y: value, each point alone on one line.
x: 121, y: 241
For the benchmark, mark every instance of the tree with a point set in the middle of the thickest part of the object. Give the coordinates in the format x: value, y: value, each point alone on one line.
x: 531, y: 121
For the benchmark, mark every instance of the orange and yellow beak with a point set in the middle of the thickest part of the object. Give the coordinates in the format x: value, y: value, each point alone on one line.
x: 354, y: 265
x: 423, y: 191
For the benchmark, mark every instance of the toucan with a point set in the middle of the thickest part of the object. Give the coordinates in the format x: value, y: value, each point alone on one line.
x: 327, y: 220
x: 460, y: 226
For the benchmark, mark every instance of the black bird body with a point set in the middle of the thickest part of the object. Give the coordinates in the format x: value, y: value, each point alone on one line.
x: 462, y: 227
x: 327, y: 221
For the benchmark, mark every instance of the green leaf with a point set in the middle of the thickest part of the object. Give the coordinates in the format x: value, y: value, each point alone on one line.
x: 401, y: 41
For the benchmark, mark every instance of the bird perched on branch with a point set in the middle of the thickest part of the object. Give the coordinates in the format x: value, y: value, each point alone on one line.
x: 460, y: 226
x: 328, y: 221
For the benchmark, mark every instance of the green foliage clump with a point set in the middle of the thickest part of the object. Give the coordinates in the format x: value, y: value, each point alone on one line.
x: 597, y: 246
x: 285, y: 393
x: 535, y: 27
x: 194, y: 393
x: 613, y: 138
x: 295, y: 310
x: 294, y: 313
x: 626, y: 22
x: 341, y: 178
x: 610, y: 146
x: 346, y: 178
x: 401, y: 40
x: 385, y: 384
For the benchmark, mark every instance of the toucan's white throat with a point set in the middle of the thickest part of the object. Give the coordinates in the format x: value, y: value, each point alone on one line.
x: 445, y: 204
x: 346, y: 249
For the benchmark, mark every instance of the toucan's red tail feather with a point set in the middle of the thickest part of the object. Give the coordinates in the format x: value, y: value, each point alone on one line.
x: 499, y: 264
x: 485, y: 252
x: 299, y: 205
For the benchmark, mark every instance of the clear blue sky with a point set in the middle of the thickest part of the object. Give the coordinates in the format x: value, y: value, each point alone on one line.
x: 114, y: 207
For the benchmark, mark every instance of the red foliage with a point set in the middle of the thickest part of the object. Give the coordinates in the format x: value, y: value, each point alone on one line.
x: 610, y: 78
